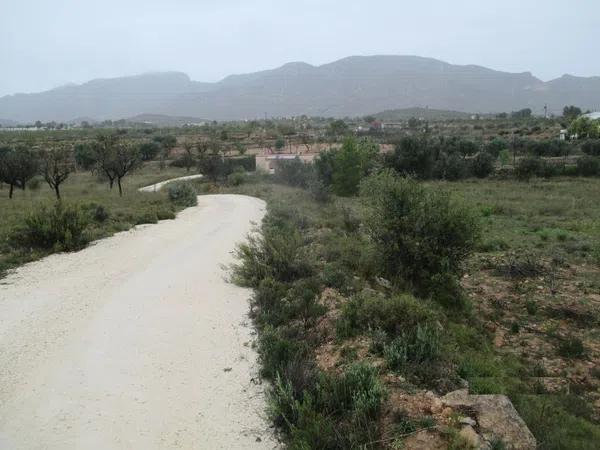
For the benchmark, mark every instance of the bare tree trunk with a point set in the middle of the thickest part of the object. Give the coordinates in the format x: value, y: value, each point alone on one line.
x: 10, y: 191
x: 57, y: 191
x: 120, y: 187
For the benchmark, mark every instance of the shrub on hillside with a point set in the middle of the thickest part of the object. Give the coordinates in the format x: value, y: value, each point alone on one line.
x: 293, y: 172
x: 340, y: 411
x: 451, y: 167
x: 182, y: 194
x: 591, y: 147
x: 392, y: 315
x: 422, y: 235
x: 495, y: 146
x: 482, y: 165
x: 238, y: 177
x: 588, y: 166
x: 412, y: 156
x: 61, y: 228
x: 276, y: 254
x: 527, y: 167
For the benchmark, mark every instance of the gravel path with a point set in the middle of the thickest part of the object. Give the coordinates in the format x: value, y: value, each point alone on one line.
x: 136, y: 342
x: 158, y: 186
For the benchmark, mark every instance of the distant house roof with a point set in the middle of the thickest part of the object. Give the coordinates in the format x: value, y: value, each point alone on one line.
x: 592, y: 115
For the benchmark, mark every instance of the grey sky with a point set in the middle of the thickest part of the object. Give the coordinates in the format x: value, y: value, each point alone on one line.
x: 47, y: 43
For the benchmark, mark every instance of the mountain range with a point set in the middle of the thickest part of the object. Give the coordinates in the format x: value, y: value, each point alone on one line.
x: 353, y: 86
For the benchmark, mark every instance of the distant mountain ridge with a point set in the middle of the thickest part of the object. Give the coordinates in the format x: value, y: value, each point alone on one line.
x: 353, y: 86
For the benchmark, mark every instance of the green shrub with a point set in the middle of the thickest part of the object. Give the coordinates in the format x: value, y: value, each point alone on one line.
x: 277, y: 253
x: 165, y: 214
x: 496, y: 146
x: 554, y: 427
x: 237, y: 178
x: 101, y: 214
x: 276, y: 351
x: 392, y: 315
x: 353, y: 161
x: 293, y: 172
x: 421, y: 234
x: 146, y: 217
x: 482, y: 165
x: 527, y: 167
x: 338, y: 411
x: 451, y: 167
x: 61, y: 228
x: 182, y: 194
x: 591, y: 147
x: 588, y: 166
x: 571, y: 347
x: 318, y: 190
x: 415, y: 346
x: 504, y: 157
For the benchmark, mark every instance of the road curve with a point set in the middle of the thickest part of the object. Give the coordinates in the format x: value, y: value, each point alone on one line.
x: 136, y: 342
x: 158, y: 186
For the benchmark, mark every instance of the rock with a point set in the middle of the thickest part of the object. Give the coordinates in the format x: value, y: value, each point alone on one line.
x: 496, y: 418
x: 470, y: 436
x: 458, y: 398
x: 467, y: 421
x: 499, y: 338
x: 447, y: 411
x: 436, y: 406
x: 424, y: 440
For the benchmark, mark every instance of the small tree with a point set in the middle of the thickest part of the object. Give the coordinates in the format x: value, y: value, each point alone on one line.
x: 337, y: 128
x: 167, y: 143
x: 482, y: 165
x: 188, y: 159
x: 241, y: 148
x: 306, y: 140
x: 85, y: 156
x: 105, y: 149
x: 149, y: 150
x: 57, y: 165
x: 127, y: 158
x: 17, y: 167
x: 279, y: 144
x: 571, y: 112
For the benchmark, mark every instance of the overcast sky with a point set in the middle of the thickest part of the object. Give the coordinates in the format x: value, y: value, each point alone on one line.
x: 47, y: 43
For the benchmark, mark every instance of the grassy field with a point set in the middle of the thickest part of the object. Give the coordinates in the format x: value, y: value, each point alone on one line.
x: 529, y: 328
x: 89, y: 192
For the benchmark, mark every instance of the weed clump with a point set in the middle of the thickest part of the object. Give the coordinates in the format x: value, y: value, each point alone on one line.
x: 61, y: 228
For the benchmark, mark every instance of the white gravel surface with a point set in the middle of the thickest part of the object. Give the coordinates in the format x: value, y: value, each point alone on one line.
x: 137, y: 342
x: 158, y: 186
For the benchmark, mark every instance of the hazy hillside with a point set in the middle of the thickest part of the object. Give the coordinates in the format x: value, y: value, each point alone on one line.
x: 351, y: 86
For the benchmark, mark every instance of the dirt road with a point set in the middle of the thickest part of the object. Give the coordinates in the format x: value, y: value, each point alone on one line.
x: 136, y: 342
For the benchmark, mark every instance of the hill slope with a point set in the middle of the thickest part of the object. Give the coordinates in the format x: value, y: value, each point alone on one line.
x: 352, y: 86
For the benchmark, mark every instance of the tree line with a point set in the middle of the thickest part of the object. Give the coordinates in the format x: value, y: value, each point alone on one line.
x: 108, y: 156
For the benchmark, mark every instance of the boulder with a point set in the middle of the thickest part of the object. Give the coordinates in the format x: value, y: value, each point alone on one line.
x: 496, y: 418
